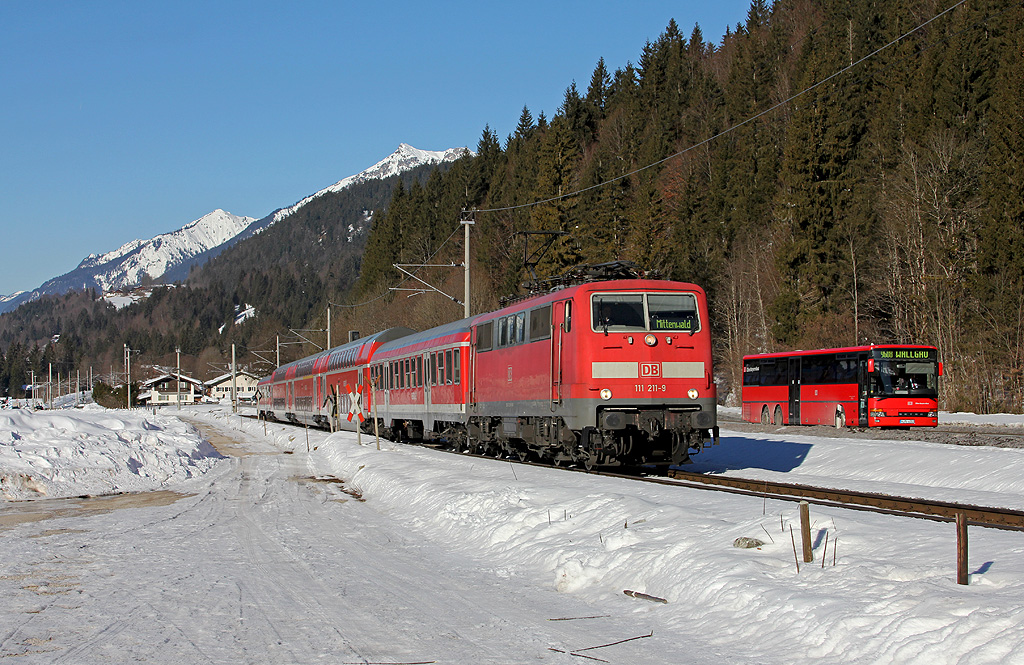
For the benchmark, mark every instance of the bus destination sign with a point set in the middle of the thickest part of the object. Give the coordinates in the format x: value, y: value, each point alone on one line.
x: 905, y: 354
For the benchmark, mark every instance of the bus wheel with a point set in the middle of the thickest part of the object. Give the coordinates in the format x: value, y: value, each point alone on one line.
x: 778, y: 415
x: 764, y: 415
x: 840, y: 420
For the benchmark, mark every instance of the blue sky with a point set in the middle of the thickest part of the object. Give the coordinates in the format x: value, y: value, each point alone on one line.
x: 123, y: 120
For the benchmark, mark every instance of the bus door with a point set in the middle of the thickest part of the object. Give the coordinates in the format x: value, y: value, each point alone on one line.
x: 863, y: 383
x: 794, y: 391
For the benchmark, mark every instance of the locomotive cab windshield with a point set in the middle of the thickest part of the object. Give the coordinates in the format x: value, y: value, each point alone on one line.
x: 643, y: 312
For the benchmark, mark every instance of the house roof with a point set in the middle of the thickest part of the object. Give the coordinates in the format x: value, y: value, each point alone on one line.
x: 227, y: 377
x: 171, y: 377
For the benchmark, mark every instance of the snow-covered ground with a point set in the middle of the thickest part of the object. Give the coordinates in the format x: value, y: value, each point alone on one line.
x: 350, y: 554
x: 1000, y: 419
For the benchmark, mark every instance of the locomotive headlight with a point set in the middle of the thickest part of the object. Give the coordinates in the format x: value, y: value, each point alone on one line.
x: 606, y: 394
x: 692, y: 393
x: 650, y: 340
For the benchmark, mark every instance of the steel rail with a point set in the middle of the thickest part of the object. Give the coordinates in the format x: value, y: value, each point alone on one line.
x: 943, y: 511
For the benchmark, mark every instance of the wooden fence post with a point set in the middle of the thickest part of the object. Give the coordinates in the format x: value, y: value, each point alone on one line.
x: 805, y: 531
x: 961, y: 549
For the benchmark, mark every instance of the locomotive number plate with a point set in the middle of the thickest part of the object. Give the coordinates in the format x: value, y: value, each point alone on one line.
x: 650, y: 387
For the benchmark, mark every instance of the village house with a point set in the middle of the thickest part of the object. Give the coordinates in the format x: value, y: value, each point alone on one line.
x: 219, y: 389
x: 168, y: 389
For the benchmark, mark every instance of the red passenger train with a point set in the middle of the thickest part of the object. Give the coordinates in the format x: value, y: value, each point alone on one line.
x: 861, y: 386
x: 602, y: 373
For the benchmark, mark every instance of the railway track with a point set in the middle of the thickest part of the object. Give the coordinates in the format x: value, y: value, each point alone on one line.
x: 940, y: 511
x: 959, y: 435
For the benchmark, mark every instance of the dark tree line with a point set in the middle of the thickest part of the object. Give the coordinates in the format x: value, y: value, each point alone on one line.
x: 882, y: 204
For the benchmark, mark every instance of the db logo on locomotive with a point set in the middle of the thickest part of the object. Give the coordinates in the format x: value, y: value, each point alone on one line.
x: 650, y: 370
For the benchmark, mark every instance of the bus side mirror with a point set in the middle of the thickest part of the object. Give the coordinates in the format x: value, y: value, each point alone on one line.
x: 940, y: 369
x: 871, y: 365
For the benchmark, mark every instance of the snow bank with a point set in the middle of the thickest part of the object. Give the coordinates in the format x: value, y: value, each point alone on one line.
x: 96, y: 451
x: 1002, y: 419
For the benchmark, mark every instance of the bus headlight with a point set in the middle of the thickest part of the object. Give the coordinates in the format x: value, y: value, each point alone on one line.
x: 606, y: 394
x: 878, y: 413
x: 650, y: 340
x: 692, y: 393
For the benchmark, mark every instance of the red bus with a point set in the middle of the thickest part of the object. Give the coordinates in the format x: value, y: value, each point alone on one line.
x: 859, y: 386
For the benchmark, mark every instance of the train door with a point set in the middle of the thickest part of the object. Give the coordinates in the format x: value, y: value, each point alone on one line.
x: 390, y: 368
x: 561, y: 324
x: 794, y: 391
x: 428, y: 378
x: 863, y: 379
x: 471, y: 353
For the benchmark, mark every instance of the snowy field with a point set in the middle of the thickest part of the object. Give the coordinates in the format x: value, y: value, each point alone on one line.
x: 412, y: 555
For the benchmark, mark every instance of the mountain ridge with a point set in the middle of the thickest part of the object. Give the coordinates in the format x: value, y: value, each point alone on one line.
x: 170, y: 256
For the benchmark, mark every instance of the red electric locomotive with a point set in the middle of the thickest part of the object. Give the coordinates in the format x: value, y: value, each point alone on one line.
x: 603, y: 373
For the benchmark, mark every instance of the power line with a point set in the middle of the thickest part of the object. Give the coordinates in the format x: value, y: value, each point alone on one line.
x: 737, y: 125
x: 728, y: 130
x: 386, y: 294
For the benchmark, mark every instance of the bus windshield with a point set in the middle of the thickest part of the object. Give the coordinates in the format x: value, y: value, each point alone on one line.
x: 905, y: 377
x: 660, y: 312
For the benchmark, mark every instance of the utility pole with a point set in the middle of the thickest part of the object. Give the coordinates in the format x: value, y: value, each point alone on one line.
x: 329, y: 325
x: 127, y: 377
x: 467, y: 221
x: 234, y: 389
x: 278, y: 351
x: 177, y: 353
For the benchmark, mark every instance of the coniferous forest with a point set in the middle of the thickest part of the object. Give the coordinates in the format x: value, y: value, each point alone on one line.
x: 832, y: 173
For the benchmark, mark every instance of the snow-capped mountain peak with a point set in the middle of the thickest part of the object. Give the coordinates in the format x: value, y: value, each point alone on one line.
x: 169, y: 256
x: 131, y: 262
x: 398, y: 162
